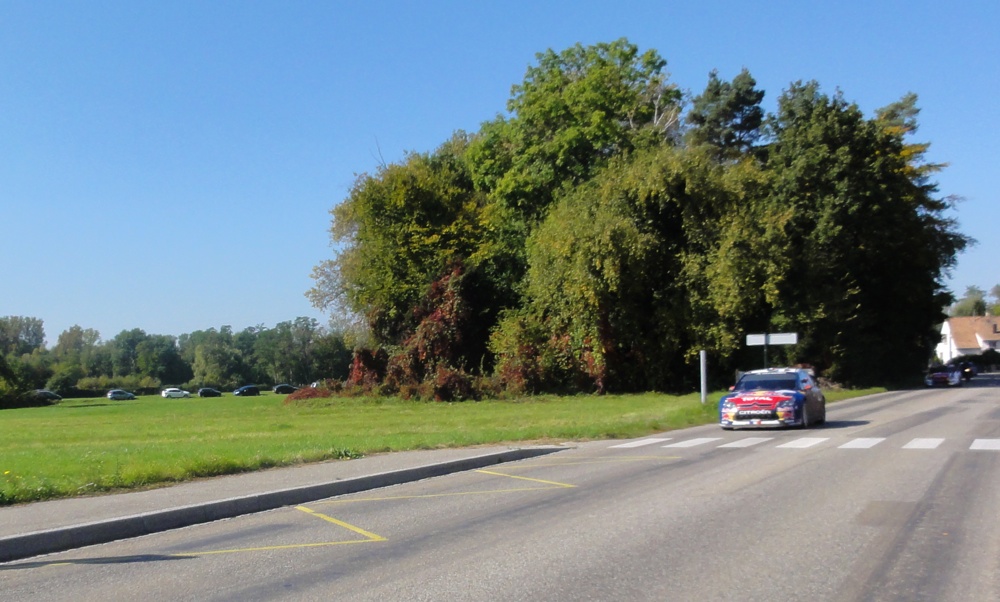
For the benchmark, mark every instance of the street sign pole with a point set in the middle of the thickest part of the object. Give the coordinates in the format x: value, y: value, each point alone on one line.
x: 704, y: 375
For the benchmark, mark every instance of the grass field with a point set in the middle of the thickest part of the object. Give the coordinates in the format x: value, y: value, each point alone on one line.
x: 87, y: 446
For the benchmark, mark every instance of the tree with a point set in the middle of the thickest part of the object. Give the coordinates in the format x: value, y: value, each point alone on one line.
x: 218, y: 357
x: 727, y: 115
x: 395, y: 234
x: 617, y: 291
x: 75, y: 342
x: 973, y: 303
x: 124, y: 351
x: 601, y: 248
x: 331, y: 357
x: 159, y: 358
x: 840, y: 184
x: 20, y: 335
x: 574, y: 111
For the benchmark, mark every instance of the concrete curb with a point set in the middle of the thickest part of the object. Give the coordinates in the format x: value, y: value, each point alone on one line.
x: 66, y: 538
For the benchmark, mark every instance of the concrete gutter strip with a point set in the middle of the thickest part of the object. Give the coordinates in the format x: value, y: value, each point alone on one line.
x: 66, y: 538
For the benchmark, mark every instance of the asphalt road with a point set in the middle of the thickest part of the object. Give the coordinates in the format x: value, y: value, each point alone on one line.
x: 896, y: 498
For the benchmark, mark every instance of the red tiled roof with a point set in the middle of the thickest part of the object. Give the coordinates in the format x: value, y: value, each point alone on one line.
x: 965, y: 329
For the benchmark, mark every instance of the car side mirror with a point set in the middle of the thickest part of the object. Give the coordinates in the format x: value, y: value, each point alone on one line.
x: 732, y: 388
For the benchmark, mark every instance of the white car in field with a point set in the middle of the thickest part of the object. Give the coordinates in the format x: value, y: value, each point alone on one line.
x: 174, y: 392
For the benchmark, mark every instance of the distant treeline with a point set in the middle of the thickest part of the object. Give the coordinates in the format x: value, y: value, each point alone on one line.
x: 80, y: 363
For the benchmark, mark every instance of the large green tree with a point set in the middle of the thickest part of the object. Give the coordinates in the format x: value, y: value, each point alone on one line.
x: 865, y: 239
x: 604, y: 242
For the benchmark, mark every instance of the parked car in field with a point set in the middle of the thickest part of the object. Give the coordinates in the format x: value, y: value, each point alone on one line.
x: 773, y: 397
x: 284, y: 389
x: 120, y: 394
x: 247, y: 391
x: 174, y: 392
x: 209, y: 392
x: 45, y: 395
x: 943, y: 376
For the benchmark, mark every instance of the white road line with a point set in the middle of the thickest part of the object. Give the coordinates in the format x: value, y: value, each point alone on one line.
x: 862, y: 443
x: 804, y: 442
x: 748, y: 442
x: 642, y: 442
x: 924, y: 444
x: 987, y: 444
x: 693, y: 442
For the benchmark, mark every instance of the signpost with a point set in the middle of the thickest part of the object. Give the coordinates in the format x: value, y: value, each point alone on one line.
x: 777, y: 338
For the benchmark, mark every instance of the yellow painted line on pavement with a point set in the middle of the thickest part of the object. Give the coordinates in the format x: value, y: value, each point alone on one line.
x: 510, y: 476
x: 368, y: 535
x: 432, y: 495
x: 341, y: 523
x: 292, y: 546
x: 597, y: 460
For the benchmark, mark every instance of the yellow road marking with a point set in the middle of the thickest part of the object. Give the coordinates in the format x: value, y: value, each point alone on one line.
x: 368, y: 535
x: 509, y: 476
x: 341, y: 523
x: 432, y: 495
x: 592, y: 461
x: 285, y: 547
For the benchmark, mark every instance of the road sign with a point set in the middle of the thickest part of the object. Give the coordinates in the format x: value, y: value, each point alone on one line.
x: 777, y: 338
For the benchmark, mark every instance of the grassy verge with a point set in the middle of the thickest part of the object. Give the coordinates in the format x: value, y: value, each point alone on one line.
x: 81, y: 447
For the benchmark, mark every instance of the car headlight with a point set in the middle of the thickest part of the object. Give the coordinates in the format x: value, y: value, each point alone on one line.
x: 728, y: 405
x: 786, y: 404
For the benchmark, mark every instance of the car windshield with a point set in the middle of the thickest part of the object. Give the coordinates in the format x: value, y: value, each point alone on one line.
x: 757, y: 383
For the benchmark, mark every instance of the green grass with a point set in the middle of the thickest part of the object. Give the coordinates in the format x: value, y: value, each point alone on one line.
x: 81, y: 447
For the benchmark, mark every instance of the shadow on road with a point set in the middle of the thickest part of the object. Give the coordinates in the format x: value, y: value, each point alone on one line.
x: 108, y: 560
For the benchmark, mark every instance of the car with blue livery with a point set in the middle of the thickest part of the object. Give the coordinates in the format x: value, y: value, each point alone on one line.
x: 944, y: 376
x: 774, y: 397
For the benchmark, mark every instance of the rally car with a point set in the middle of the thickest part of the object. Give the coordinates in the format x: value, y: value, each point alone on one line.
x: 773, y: 397
x: 944, y: 376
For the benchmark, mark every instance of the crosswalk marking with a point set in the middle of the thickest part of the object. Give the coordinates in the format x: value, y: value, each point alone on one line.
x: 924, y: 443
x: 990, y: 444
x: 642, y: 442
x: 804, y: 442
x: 919, y: 443
x: 749, y: 441
x: 693, y: 442
x: 862, y: 443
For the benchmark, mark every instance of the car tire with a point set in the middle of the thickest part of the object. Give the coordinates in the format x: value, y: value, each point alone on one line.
x: 806, y: 423
x: 822, y: 415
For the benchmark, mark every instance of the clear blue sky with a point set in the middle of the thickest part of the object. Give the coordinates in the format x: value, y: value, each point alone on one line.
x: 171, y: 165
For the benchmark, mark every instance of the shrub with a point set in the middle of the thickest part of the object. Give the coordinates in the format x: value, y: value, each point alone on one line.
x: 452, y: 385
x: 308, y: 393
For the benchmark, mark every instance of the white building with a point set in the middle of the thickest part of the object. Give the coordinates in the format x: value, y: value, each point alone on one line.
x: 968, y: 336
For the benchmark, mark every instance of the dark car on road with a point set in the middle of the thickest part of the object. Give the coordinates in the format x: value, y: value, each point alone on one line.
x: 247, y: 391
x: 120, y: 394
x: 209, y: 392
x: 285, y: 389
